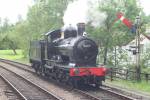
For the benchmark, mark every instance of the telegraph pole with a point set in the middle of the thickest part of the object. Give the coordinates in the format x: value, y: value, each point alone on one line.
x: 138, y: 67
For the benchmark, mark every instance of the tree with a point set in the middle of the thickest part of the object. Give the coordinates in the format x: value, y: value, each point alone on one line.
x: 8, y: 40
x: 11, y: 42
x: 43, y: 16
x: 112, y: 34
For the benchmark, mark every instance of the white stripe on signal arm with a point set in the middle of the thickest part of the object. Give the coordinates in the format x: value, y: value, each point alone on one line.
x: 122, y: 18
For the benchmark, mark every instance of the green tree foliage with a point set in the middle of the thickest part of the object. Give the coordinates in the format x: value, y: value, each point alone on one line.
x: 114, y: 33
x: 43, y: 16
x: 46, y: 15
x: 7, y: 36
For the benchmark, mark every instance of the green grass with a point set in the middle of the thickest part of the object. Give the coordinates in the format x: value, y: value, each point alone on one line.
x: 136, y: 86
x: 8, y: 54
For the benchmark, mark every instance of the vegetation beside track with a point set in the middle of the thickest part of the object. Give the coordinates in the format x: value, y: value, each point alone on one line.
x: 131, y: 85
x: 8, y: 54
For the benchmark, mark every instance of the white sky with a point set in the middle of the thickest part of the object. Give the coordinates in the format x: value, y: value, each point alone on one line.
x: 12, y: 8
x: 146, y: 6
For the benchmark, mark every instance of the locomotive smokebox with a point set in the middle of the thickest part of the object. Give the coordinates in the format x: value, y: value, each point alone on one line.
x: 81, y: 28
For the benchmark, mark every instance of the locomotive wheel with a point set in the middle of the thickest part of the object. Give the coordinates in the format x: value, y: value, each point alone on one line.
x: 38, y: 71
x: 57, y: 77
x: 75, y: 83
x: 70, y: 82
x: 45, y: 72
x: 97, y: 85
x: 36, y: 68
x: 42, y: 71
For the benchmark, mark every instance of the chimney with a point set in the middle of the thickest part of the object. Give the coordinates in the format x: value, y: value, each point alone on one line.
x: 81, y: 28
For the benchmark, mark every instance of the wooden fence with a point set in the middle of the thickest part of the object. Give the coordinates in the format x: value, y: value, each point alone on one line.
x: 126, y: 74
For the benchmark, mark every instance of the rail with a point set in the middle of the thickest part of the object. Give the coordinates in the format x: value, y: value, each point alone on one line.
x: 91, y: 97
x: 14, y: 88
x: 47, y: 93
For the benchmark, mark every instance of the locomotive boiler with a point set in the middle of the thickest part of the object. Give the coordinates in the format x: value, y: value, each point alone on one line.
x: 68, y: 56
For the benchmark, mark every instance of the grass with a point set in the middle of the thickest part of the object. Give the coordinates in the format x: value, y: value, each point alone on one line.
x: 8, y: 54
x: 135, y: 86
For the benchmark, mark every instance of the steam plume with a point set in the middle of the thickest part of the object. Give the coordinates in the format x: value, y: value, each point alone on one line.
x: 84, y: 11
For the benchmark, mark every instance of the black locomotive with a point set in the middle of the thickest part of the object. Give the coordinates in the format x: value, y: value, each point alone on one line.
x: 66, y: 55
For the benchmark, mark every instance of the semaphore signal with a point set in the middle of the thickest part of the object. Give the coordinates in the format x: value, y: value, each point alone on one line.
x: 127, y: 22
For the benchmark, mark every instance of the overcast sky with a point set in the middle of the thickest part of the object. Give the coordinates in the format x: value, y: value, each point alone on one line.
x: 146, y: 6
x: 12, y: 8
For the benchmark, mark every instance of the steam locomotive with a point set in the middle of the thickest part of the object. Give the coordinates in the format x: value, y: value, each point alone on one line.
x: 67, y: 56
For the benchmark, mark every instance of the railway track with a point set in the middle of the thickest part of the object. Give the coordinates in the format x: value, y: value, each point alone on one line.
x: 115, y: 94
x: 19, y: 65
x: 81, y: 95
x: 127, y: 93
x: 104, y: 93
x: 27, y: 89
x: 8, y: 91
x: 120, y: 92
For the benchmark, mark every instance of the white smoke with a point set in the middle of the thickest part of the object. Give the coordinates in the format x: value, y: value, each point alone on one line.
x: 94, y: 15
x: 76, y: 12
x: 84, y: 11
